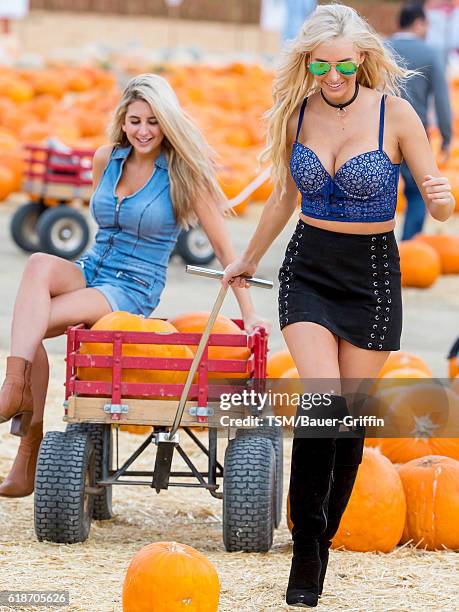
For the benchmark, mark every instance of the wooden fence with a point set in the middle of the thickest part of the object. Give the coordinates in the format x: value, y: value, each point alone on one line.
x: 381, y: 14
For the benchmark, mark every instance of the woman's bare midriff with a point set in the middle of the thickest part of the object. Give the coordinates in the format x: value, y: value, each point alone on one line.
x: 345, y: 227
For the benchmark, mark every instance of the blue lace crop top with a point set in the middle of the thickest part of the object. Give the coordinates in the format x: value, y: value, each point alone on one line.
x: 364, y: 189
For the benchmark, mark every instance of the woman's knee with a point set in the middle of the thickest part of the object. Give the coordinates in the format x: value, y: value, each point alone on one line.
x: 39, y: 266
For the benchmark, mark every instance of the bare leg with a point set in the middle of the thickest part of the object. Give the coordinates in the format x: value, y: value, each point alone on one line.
x: 44, y: 277
x: 87, y: 306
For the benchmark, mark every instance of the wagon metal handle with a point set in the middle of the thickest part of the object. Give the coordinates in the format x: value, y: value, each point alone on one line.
x: 197, y: 359
x: 251, y: 280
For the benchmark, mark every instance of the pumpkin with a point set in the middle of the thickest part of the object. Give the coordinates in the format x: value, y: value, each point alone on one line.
x: 170, y: 577
x: 195, y: 322
x: 7, y: 182
x: 278, y: 363
x: 375, y: 515
x: 136, y: 429
x: 124, y: 321
x: 401, y: 359
x: 447, y: 247
x: 453, y: 363
x: 431, y: 487
x: 419, y: 263
x: 264, y: 192
x: 424, y: 413
x: 291, y: 373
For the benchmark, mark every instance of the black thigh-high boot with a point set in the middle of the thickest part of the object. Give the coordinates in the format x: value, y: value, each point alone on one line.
x: 312, y: 465
x: 348, y: 457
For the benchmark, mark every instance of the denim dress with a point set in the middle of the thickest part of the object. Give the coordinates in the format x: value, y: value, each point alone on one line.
x: 135, y: 237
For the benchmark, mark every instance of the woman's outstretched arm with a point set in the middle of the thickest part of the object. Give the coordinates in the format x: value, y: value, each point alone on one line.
x: 417, y: 152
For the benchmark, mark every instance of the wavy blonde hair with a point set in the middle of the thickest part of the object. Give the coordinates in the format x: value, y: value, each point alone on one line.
x: 191, y: 160
x: 293, y: 82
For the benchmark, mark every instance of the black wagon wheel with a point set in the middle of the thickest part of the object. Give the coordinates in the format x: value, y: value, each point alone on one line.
x: 274, y: 434
x: 101, y: 436
x: 194, y: 247
x: 23, y: 226
x: 63, y: 508
x: 63, y: 231
x: 248, y: 494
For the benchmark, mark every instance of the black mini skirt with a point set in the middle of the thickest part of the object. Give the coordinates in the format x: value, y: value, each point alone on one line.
x: 348, y: 283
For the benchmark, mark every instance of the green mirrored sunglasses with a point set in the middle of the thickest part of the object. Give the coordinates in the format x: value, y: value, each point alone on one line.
x: 321, y: 68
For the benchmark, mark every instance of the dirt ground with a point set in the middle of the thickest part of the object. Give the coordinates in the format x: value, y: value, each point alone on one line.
x: 405, y: 580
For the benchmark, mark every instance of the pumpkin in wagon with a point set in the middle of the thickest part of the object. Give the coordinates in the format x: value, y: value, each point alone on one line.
x: 195, y: 322
x: 124, y: 321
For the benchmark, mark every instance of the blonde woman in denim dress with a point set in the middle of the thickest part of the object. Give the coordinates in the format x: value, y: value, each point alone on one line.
x: 156, y: 178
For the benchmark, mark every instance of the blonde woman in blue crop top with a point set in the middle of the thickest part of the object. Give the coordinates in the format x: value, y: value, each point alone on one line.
x: 155, y: 178
x: 338, y: 131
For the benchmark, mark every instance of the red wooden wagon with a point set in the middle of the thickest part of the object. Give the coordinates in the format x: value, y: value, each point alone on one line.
x: 78, y: 468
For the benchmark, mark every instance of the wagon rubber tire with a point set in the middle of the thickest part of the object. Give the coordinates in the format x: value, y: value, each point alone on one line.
x: 23, y: 226
x: 248, y: 494
x: 63, y: 231
x: 102, y: 509
x: 274, y: 434
x: 62, y: 511
x: 194, y: 247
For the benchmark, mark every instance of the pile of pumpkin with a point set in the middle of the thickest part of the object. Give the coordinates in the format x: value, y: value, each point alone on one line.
x: 407, y: 489
x: 425, y: 257
x: 73, y: 104
x: 70, y: 104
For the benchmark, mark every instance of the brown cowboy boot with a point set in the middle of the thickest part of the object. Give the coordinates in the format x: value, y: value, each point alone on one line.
x: 20, y: 481
x: 16, y: 401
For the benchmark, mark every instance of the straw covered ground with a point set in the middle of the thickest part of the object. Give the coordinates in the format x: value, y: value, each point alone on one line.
x: 404, y: 580
x: 93, y: 572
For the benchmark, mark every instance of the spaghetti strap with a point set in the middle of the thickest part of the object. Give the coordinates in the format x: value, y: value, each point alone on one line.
x: 300, y: 119
x: 381, y: 122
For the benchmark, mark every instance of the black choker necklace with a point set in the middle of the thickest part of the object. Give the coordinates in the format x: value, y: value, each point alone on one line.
x: 342, y: 107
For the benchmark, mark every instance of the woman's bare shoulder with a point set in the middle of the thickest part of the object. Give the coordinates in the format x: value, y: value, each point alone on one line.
x: 398, y: 107
x: 102, y: 155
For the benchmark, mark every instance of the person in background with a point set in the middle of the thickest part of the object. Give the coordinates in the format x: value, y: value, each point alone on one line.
x: 296, y: 13
x: 409, y: 44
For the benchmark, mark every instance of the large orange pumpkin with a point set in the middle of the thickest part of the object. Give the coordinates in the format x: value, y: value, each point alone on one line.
x: 447, y: 247
x: 375, y: 516
x: 401, y: 359
x: 278, y: 363
x: 427, y: 414
x: 195, y: 322
x: 419, y: 263
x: 124, y: 321
x: 170, y: 577
x: 431, y: 487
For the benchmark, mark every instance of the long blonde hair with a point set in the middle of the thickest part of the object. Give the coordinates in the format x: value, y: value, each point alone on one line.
x: 191, y: 160
x: 293, y: 82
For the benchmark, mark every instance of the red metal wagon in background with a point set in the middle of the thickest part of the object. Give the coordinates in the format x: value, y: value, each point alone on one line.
x: 59, y: 182
x: 78, y: 468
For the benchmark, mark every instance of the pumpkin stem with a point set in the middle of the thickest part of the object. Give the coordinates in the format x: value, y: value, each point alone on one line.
x: 176, y: 547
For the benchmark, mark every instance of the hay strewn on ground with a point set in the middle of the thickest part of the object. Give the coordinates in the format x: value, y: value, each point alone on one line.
x: 404, y: 580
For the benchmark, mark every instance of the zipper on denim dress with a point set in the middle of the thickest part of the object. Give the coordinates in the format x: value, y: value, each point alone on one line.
x: 110, y: 239
x: 121, y: 273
